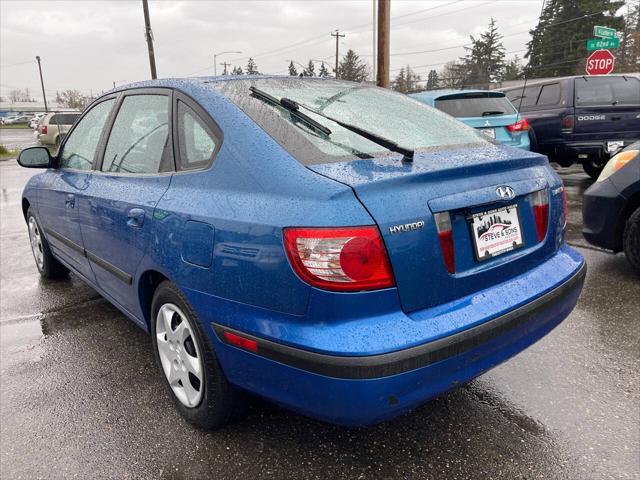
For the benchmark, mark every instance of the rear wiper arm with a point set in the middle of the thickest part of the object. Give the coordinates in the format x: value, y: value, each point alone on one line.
x: 286, y: 104
x: 294, y: 107
x: 492, y: 112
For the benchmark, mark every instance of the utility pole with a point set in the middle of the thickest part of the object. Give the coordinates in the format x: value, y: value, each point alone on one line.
x: 215, y: 61
x: 44, y: 95
x: 149, y: 36
x: 225, y: 67
x: 338, y: 36
x: 374, y: 19
x: 384, y: 34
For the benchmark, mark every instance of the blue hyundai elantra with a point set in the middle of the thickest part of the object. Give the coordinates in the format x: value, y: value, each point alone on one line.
x: 336, y: 248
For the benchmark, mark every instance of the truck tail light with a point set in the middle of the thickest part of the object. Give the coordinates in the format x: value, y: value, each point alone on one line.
x: 567, y: 124
x: 343, y: 259
x: 540, y: 201
x: 521, y: 125
x: 43, y: 129
x: 445, y: 235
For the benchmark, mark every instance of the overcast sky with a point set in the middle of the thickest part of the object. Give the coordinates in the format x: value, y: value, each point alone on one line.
x: 87, y: 45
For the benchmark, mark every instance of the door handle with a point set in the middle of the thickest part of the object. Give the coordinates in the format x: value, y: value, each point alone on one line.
x: 135, y: 217
x: 70, y: 201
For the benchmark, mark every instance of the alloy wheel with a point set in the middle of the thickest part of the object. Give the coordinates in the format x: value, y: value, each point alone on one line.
x: 179, y: 355
x: 36, y: 242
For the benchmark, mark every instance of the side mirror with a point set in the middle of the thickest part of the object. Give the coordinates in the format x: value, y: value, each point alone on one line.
x: 35, y: 157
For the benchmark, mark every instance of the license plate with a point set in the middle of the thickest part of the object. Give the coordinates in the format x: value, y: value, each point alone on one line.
x: 489, y: 132
x: 614, y: 146
x: 495, y: 232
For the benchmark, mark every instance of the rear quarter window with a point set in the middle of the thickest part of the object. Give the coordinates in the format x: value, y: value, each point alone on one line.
x: 63, y: 118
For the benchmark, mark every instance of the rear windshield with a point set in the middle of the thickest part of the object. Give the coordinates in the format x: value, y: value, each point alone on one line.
x: 475, y: 105
x: 392, y: 115
x: 63, y: 118
x: 621, y: 90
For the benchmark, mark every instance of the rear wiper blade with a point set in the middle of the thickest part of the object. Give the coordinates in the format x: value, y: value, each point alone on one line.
x: 286, y: 104
x: 293, y: 106
x: 492, y: 112
x: 407, y: 154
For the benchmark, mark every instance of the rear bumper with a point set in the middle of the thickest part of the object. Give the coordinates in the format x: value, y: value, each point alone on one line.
x: 359, y: 390
x: 592, y: 151
x: 601, y: 208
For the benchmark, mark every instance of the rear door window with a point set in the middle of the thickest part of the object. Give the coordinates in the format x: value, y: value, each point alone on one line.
x: 139, y: 138
x: 196, y: 142
x: 593, y: 91
x: 475, y: 105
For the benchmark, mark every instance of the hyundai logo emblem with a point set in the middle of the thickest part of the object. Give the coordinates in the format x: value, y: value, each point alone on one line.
x: 505, y: 193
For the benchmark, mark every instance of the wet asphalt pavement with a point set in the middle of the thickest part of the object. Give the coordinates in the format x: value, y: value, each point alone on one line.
x: 81, y: 397
x: 17, y: 138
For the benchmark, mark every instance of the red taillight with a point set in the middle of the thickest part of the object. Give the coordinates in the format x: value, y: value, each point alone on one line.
x: 445, y: 235
x: 343, y: 259
x: 43, y: 129
x: 240, y: 342
x: 567, y: 124
x: 520, y: 126
x: 540, y: 203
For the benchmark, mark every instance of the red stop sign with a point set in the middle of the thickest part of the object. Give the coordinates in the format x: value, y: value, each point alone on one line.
x: 600, y: 62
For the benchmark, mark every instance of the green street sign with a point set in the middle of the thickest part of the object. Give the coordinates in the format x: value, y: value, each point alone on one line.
x: 602, y: 43
x: 604, y: 32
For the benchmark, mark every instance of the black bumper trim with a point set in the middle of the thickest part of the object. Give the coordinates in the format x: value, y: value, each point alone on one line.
x: 387, y: 364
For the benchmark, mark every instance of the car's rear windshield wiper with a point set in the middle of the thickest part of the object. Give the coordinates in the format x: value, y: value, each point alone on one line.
x: 285, y: 104
x: 293, y: 106
x: 492, y: 112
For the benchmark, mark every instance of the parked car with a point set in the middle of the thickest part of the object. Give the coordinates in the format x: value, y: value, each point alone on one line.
x: 489, y: 111
x: 611, y: 206
x: 53, y: 125
x: 581, y: 119
x: 336, y: 248
x: 35, y: 120
x: 17, y: 120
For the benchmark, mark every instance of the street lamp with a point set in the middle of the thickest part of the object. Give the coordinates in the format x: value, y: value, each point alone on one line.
x: 215, y: 63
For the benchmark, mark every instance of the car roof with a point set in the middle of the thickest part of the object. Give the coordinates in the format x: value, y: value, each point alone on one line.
x: 436, y: 94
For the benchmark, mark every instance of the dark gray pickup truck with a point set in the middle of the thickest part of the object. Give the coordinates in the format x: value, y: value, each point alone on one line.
x: 583, y: 119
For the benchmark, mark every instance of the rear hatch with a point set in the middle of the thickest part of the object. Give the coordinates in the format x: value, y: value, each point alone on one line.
x: 403, y: 198
x: 490, y: 112
x: 606, y: 108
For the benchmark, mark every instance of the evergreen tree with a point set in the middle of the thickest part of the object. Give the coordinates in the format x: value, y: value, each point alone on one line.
x: 323, y: 72
x: 558, y: 43
x: 310, y: 71
x: 432, y: 80
x: 513, y: 69
x: 292, y: 69
x: 252, y: 68
x: 352, y: 68
x: 628, y: 55
x: 236, y: 71
x: 406, y: 81
x: 484, y: 62
x: 400, y: 82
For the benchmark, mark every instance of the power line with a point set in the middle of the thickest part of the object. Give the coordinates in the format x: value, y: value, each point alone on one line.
x: 16, y: 64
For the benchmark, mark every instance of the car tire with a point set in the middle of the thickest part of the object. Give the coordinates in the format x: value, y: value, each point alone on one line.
x: 592, y: 169
x: 533, y: 140
x: 631, y: 240
x: 48, y: 266
x: 177, y: 347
